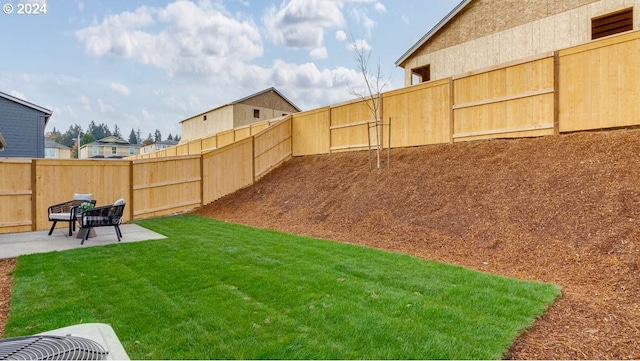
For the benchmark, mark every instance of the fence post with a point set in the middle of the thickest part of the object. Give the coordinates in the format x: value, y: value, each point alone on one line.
x: 34, y: 195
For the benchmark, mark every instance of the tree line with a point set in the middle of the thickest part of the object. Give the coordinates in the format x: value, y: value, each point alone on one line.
x: 98, y: 131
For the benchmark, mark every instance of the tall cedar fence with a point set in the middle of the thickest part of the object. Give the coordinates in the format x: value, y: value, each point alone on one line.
x: 591, y: 86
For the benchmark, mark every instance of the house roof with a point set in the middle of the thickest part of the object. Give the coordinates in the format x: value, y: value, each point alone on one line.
x: 111, y: 141
x: 247, y: 98
x: 46, y: 111
x: 433, y: 31
x: 3, y: 144
x: 48, y: 143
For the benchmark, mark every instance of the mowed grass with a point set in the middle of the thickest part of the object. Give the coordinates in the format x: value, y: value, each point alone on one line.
x: 214, y: 290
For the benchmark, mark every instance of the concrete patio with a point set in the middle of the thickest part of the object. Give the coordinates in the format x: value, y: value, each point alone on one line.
x: 16, y: 244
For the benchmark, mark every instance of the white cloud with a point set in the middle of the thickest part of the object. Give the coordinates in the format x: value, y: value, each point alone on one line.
x: 380, y: 7
x: 183, y: 37
x: 341, y: 35
x: 85, y: 102
x: 106, y: 108
x: 120, y: 88
x: 301, y: 23
x: 18, y: 95
x: 360, y: 45
x: 360, y: 17
x: 318, y: 53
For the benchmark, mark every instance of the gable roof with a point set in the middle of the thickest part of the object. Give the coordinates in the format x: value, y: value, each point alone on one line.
x: 46, y: 111
x: 272, y: 89
x: 111, y: 140
x: 48, y: 143
x: 433, y: 31
x: 245, y: 99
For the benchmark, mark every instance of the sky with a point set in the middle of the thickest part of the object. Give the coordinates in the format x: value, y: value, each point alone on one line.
x: 148, y: 64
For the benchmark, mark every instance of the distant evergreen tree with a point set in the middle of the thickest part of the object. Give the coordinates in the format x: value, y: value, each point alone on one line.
x: 148, y: 141
x: 132, y: 137
x: 157, y: 136
x: 116, y: 131
x: 169, y: 137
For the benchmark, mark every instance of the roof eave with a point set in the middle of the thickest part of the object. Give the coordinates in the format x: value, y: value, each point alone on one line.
x: 432, y: 32
x: 46, y: 111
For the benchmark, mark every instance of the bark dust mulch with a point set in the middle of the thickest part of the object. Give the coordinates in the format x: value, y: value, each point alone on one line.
x: 561, y: 209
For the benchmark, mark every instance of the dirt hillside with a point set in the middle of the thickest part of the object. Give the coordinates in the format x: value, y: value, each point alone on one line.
x: 562, y: 209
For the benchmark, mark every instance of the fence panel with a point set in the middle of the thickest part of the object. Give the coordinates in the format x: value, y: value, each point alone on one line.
x: 242, y: 133
x: 599, y: 84
x: 310, y: 132
x: 182, y: 149
x: 420, y: 114
x: 258, y: 127
x: 513, y: 100
x: 349, y: 126
x: 56, y: 181
x: 195, y: 147
x: 272, y: 147
x: 16, y: 195
x: 226, y: 138
x: 209, y: 143
x: 166, y: 185
x: 227, y: 169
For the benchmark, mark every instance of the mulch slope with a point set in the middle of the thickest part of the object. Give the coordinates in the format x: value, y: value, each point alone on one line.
x: 561, y: 209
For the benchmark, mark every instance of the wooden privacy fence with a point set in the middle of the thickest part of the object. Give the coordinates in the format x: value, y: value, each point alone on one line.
x: 591, y: 86
x: 150, y: 187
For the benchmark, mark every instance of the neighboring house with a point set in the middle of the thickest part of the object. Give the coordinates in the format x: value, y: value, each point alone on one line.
x: 158, y: 146
x: 56, y: 150
x: 109, y: 147
x: 484, y: 33
x: 264, y: 105
x: 22, y: 127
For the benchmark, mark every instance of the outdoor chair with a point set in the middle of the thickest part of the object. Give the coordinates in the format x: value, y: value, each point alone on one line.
x: 102, y: 217
x: 68, y: 211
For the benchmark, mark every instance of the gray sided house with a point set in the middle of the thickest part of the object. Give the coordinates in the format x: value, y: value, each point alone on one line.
x: 22, y: 127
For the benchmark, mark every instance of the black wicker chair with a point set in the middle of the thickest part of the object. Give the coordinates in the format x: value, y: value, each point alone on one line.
x: 104, y: 216
x: 68, y: 211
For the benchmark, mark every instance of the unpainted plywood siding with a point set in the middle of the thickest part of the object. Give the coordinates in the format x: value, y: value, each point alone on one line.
x: 218, y: 120
x: 491, y: 32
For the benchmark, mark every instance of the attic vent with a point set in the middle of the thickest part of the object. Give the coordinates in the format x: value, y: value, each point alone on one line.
x: 610, y: 24
x: 51, y: 348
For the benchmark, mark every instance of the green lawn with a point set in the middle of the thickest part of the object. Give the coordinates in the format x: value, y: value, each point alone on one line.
x: 214, y: 290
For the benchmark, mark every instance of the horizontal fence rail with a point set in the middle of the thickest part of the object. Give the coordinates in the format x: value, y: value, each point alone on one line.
x: 591, y: 86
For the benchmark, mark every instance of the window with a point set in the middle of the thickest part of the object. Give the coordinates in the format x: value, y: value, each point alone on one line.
x: 94, y: 150
x: 613, y: 23
x: 420, y: 75
x: 50, y: 153
x: 114, y: 150
x: 256, y: 113
x: 204, y: 117
x: 132, y: 151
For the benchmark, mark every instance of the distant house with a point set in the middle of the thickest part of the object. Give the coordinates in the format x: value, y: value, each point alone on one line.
x: 158, y: 146
x: 109, y: 147
x: 22, y: 127
x: 264, y: 105
x: 484, y: 33
x: 56, y: 150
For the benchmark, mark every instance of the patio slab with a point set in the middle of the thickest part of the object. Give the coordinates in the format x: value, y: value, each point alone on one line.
x: 17, y: 244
